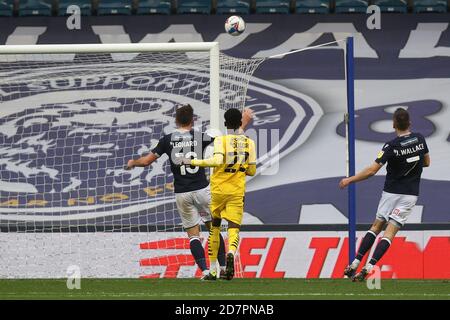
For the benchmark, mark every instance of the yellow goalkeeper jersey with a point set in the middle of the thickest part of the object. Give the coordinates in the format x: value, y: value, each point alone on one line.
x: 234, y: 158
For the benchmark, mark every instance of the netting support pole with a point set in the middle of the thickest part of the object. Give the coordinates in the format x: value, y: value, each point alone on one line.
x: 349, y: 65
x: 214, y: 94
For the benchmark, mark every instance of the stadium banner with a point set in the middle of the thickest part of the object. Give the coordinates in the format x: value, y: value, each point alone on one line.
x: 405, y: 63
x: 273, y: 254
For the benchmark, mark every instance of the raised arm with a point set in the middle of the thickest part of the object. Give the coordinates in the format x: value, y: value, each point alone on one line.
x: 247, y: 117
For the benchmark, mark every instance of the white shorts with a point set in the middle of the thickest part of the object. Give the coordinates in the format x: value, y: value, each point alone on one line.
x: 396, y: 207
x: 193, y: 207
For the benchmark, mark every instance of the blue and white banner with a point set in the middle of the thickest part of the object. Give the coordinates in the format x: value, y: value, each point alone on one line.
x: 406, y: 63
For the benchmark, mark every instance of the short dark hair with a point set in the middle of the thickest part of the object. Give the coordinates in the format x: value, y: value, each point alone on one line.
x: 184, y: 115
x: 401, y: 119
x: 233, y: 118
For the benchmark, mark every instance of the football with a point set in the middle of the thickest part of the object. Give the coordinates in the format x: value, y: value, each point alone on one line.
x: 234, y: 25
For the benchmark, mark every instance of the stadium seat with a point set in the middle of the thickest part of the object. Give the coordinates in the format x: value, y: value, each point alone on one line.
x: 194, y: 6
x: 113, y: 7
x: 35, y: 8
x: 6, y: 8
x: 349, y: 6
x: 430, y: 5
x: 233, y: 6
x: 154, y: 7
x: 312, y: 6
x: 271, y: 6
x: 85, y: 6
x: 400, y: 6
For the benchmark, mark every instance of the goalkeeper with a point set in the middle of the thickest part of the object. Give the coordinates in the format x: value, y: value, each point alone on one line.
x: 234, y: 158
x: 191, y: 186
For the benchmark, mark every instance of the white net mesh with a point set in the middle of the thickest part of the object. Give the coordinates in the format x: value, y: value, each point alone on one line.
x: 68, y: 125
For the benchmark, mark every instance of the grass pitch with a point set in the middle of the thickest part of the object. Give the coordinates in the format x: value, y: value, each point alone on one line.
x: 249, y: 289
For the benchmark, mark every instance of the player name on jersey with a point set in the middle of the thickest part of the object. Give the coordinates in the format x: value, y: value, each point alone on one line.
x: 184, y: 144
x: 408, y: 151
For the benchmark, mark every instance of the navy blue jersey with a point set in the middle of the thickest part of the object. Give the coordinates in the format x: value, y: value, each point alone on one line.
x: 405, y: 157
x: 185, y: 144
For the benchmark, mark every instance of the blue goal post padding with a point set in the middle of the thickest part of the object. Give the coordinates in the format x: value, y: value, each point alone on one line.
x: 350, y: 75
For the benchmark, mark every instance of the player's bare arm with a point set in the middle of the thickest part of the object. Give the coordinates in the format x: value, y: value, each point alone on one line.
x: 426, y: 160
x: 247, y: 117
x: 215, y: 161
x: 251, y: 169
x: 360, y: 176
x: 142, y: 161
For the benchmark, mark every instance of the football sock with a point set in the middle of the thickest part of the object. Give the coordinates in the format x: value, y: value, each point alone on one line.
x: 221, y: 254
x: 233, y: 239
x: 380, y: 250
x: 355, y: 264
x: 366, y: 244
x: 213, y: 248
x: 198, y: 252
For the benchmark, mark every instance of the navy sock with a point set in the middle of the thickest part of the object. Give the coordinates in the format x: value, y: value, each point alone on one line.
x: 198, y: 252
x: 221, y: 254
x: 366, y: 244
x: 380, y: 250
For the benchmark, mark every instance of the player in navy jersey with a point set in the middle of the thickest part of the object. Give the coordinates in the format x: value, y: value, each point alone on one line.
x: 405, y: 156
x: 191, y: 187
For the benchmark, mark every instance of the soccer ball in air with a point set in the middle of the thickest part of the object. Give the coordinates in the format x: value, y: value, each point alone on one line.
x: 234, y: 25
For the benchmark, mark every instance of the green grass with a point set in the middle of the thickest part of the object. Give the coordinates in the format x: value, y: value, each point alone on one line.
x: 191, y: 289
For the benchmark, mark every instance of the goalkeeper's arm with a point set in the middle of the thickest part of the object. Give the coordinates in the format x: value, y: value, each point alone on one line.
x: 215, y: 161
x: 251, y: 170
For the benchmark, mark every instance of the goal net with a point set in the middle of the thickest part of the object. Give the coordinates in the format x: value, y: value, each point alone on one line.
x: 70, y: 121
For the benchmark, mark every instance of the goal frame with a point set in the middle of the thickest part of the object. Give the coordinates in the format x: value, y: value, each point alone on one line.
x: 211, y: 47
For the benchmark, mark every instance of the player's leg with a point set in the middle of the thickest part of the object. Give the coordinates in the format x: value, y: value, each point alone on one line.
x: 381, y: 248
x: 190, y: 219
x: 221, y: 252
x: 217, y: 205
x: 233, y: 214
x: 202, y: 200
x: 213, y: 248
x: 385, y: 242
x: 365, y: 246
x: 384, y: 209
x: 233, y: 243
x: 196, y: 247
x: 403, y: 205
